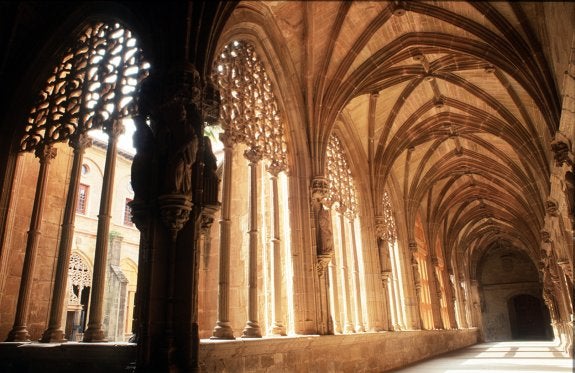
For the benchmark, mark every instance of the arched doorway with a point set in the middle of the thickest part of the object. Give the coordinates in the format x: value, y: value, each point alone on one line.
x: 528, y: 317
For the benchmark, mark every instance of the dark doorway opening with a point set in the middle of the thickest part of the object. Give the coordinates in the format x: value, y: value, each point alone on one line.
x: 529, y: 318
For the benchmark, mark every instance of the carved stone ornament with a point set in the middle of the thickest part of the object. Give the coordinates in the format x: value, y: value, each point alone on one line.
x: 319, y: 191
x: 175, y: 212
x: 551, y: 207
x: 562, y: 150
x: 322, y: 264
x: 380, y: 227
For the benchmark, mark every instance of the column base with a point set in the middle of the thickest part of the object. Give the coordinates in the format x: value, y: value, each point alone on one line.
x: 53, y: 335
x: 349, y: 329
x: 18, y: 334
x: 278, y: 329
x: 94, y: 335
x: 222, y: 331
x: 252, y: 330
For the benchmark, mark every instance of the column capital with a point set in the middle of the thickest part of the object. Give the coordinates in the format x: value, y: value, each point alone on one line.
x: 275, y: 167
x: 45, y: 152
x: 80, y: 141
x: 253, y: 155
x: 113, y: 128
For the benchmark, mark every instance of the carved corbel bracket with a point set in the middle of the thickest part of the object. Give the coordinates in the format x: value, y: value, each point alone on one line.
x: 175, y: 212
x: 562, y: 150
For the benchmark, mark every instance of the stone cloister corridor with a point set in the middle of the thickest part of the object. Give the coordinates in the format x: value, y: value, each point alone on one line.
x: 286, y: 186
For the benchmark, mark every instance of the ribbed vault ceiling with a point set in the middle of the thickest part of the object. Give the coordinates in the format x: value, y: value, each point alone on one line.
x: 456, y: 96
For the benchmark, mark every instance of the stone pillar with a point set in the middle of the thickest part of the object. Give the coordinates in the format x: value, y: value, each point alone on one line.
x: 435, y: 293
x: 326, y: 324
x: 463, y: 301
x: 19, y: 332
x: 54, y: 332
x: 416, y: 321
x: 359, y: 327
x: 94, y: 333
x: 223, y: 330
x: 278, y: 327
x: 383, y: 236
x: 451, y: 298
x: 337, y: 322
x: 252, y: 328
x: 476, y: 302
x: 348, y: 325
x: 320, y: 208
x: 386, y: 283
x: 396, y: 300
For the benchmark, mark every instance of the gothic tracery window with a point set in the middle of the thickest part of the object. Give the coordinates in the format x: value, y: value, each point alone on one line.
x: 252, y: 124
x: 91, y: 89
x: 348, y: 312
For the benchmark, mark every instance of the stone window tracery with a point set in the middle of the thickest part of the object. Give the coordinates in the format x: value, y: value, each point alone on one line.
x: 249, y: 110
x: 79, y: 277
x: 343, y: 199
x: 250, y: 116
x: 92, y: 87
x: 93, y: 84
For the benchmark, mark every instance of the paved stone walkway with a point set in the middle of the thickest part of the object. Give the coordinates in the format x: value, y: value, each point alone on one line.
x: 498, y: 357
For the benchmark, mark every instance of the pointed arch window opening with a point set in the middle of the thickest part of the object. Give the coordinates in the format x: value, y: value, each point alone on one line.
x: 91, y: 89
x: 347, y: 285
x: 250, y: 115
x: 396, y: 279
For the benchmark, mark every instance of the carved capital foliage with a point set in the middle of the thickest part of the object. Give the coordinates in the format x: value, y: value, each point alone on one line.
x: 45, y: 153
x: 80, y: 141
x: 253, y: 155
x: 275, y: 167
x: 412, y: 247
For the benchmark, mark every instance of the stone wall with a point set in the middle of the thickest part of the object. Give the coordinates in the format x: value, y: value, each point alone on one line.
x: 365, y: 352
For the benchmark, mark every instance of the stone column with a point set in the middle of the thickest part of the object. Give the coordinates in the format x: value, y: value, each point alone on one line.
x: 386, y: 283
x: 326, y: 323
x: 332, y: 270
x: 19, y: 332
x: 320, y: 205
x: 252, y: 328
x: 54, y: 333
x: 435, y: 290
x: 451, y: 298
x: 381, y: 230
x: 223, y: 330
x: 278, y: 327
x: 94, y: 333
x: 418, y: 323
x: 348, y: 325
x: 396, y: 289
x: 359, y: 327
x: 463, y: 301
